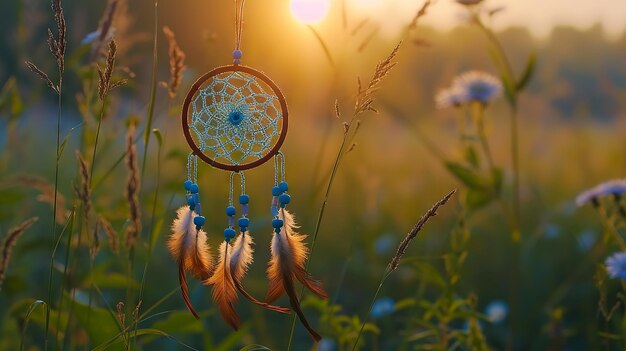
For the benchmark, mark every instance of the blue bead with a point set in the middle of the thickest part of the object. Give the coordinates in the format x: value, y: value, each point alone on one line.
x: 277, y: 223
x: 187, y: 184
x: 194, y: 188
x: 229, y: 233
x: 230, y: 211
x: 191, y: 201
x: 283, y: 186
x: 237, y: 54
x: 284, y: 199
x: 244, y: 199
x: 244, y: 229
x: 199, y: 221
x: 243, y: 222
x: 274, y: 210
x: 276, y: 191
x: 192, y: 207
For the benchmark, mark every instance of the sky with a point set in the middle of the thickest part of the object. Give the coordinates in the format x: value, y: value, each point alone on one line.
x: 540, y: 16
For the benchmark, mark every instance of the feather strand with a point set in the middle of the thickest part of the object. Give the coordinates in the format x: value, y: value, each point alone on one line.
x: 189, y: 248
x: 240, y: 260
x: 224, y: 291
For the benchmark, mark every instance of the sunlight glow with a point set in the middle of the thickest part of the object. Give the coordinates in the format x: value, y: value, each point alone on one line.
x: 310, y: 11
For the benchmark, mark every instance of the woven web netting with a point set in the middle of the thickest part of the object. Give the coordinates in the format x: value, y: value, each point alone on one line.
x: 236, y: 118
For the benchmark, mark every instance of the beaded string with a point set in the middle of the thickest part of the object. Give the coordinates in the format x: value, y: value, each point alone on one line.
x: 231, y: 211
x: 193, y: 191
x: 280, y: 198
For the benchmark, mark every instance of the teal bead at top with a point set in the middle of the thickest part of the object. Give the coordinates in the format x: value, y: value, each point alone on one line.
x: 244, y: 199
x: 199, y: 221
x: 194, y: 188
x: 277, y: 223
x: 187, y: 184
x: 229, y: 233
x: 230, y: 211
x: 243, y: 222
x: 284, y: 199
x: 276, y: 191
x: 283, y: 186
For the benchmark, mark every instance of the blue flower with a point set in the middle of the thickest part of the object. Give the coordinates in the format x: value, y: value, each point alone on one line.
x: 383, y: 307
x: 497, y: 311
x: 616, y: 265
x: 384, y: 244
x: 326, y: 345
x: 478, y: 86
x: 586, y: 241
x: 614, y: 187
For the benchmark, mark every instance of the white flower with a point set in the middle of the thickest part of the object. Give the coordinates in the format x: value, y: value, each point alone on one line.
x: 496, y: 311
x: 451, y: 97
x: 478, y: 86
x: 611, y: 187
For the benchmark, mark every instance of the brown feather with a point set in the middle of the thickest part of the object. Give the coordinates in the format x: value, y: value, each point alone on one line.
x: 189, y: 248
x: 182, y: 280
x: 224, y: 291
x: 240, y: 260
x: 289, y: 254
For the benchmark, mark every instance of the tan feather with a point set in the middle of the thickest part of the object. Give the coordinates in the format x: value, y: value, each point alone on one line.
x: 224, y: 291
x: 288, y: 256
x: 240, y: 260
x: 189, y: 248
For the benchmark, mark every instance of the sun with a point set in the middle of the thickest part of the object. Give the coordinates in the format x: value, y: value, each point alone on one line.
x: 310, y: 11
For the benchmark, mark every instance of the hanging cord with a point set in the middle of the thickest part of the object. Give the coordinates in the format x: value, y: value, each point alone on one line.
x: 192, y: 167
x: 243, y: 186
x: 237, y: 54
x: 279, y: 168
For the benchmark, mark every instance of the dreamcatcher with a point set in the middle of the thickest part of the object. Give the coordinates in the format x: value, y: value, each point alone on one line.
x: 235, y: 118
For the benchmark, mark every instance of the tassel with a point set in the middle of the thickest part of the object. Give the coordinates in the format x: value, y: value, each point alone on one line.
x: 240, y: 260
x: 189, y: 248
x: 288, y: 256
x: 224, y: 291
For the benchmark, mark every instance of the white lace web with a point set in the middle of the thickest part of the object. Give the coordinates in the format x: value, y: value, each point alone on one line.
x: 236, y: 118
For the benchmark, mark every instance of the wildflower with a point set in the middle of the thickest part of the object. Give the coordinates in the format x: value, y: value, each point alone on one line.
x: 383, y: 307
x: 586, y: 241
x: 326, y: 345
x: 450, y: 97
x: 552, y: 231
x: 616, y: 265
x: 614, y: 187
x: 496, y: 311
x: 478, y: 86
x: 384, y: 244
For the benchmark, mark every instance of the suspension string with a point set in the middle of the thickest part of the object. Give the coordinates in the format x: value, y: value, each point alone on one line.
x: 282, y: 165
x: 192, y: 167
x: 230, y: 191
x: 238, y: 23
x: 276, y: 170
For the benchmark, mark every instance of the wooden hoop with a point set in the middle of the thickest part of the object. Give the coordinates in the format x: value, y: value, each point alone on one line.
x: 257, y: 74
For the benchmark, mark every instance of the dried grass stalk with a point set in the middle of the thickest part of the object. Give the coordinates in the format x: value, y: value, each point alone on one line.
x: 395, y: 261
x: 104, y: 81
x: 83, y: 191
x: 95, y: 245
x: 132, y: 189
x: 104, y: 28
x: 46, y: 195
x: 177, y: 62
x: 9, y: 242
x: 365, y: 97
x: 42, y: 75
x: 110, y: 233
x: 58, y: 46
